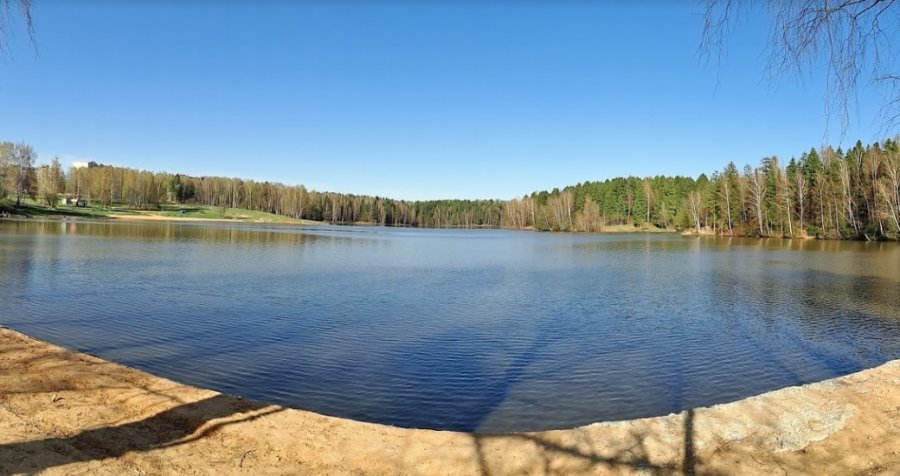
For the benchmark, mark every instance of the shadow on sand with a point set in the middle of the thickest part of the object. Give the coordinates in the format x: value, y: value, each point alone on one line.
x: 176, y: 426
x: 580, y: 457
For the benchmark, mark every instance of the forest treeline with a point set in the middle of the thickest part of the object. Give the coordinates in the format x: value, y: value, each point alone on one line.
x: 824, y: 193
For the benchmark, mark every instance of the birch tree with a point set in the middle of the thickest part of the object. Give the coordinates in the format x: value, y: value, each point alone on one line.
x: 648, y: 196
x: 50, y: 182
x: 800, y: 191
x: 755, y: 179
x: 20, y: 177
x: 694, y: 205
x: 851, y: 37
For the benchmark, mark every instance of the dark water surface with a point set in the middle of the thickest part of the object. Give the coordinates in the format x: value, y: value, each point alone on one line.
x: 469, y: 330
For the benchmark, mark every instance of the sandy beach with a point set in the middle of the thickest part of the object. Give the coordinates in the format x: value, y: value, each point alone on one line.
x: 63, y: 412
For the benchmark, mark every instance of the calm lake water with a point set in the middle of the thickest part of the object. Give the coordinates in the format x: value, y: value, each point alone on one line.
x: 470, y: 330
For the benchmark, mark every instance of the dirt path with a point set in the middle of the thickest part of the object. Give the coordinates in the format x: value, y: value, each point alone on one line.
x: 62, y: 412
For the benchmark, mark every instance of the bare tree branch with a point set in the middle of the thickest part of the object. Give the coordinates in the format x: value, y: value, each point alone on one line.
x: 852, y: 39
x: 6, y: 15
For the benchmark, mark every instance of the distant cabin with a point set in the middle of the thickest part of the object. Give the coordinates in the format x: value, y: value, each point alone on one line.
x: 76, y: 201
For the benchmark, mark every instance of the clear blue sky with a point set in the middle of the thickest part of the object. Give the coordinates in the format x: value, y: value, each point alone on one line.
x: 414, y: 100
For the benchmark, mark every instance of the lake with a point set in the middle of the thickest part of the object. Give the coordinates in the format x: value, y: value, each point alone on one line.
x: 481, y: 330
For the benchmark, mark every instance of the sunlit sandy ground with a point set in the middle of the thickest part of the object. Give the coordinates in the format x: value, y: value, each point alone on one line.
x: 62, y: 412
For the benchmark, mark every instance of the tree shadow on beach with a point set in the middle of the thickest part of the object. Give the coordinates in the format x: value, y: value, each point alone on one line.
x: 555, y: 456
x: 179, y: 425
x: 35, y: 376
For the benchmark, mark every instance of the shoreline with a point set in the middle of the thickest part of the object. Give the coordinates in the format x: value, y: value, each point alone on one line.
x: 203, y: 220
x: 609, y: 229
x: 614, y: 229
x: 147, y: 217
x: 65, y: 412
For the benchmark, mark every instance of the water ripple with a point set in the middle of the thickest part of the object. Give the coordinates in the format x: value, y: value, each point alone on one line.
x: 488, y: 330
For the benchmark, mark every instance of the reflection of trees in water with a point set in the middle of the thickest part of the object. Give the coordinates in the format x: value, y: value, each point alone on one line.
x: 808, y: 324
x: 16, y: 261
x: 175, y: 231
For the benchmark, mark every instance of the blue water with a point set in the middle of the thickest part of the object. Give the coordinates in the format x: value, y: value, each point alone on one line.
x: 482, y: 330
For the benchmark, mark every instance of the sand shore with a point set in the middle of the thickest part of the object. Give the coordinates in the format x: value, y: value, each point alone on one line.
x: 62, y: 412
